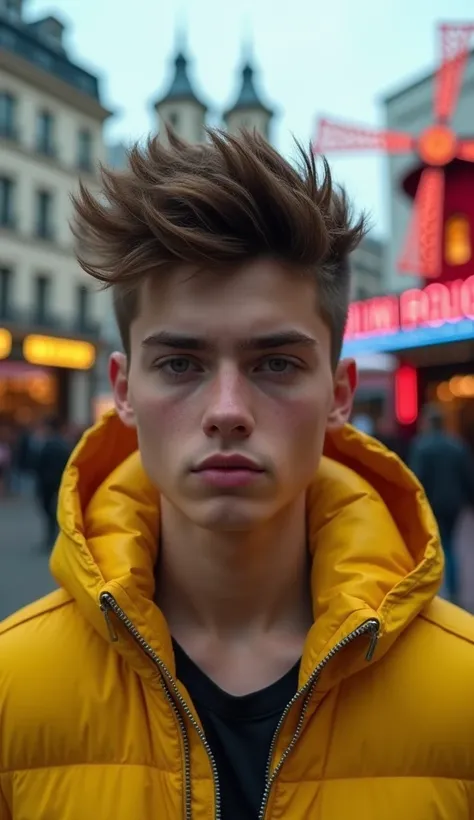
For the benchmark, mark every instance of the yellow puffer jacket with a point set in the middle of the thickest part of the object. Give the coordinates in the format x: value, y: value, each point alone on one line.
x: 94, y: 724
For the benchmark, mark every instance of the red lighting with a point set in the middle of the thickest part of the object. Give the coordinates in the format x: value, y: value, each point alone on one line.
x: 437, y: 145
x: 406, y: 395
x: 431, y: 306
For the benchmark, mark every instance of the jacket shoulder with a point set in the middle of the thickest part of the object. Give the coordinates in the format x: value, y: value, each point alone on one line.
x: 50, y: 636
x: 451, y: 620
x: 37, y: 610
x: 54, y: 666
x: 434, y: 659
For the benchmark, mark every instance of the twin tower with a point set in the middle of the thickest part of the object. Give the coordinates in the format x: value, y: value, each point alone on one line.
x: 182, y: 109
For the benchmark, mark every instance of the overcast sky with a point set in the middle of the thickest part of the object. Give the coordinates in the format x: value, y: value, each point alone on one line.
x: 336, y: 57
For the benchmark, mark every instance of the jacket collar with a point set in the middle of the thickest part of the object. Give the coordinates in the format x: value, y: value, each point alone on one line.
x: 372, y: 537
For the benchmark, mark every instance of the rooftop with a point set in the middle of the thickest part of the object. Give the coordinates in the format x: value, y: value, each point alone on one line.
x: 25, y: 41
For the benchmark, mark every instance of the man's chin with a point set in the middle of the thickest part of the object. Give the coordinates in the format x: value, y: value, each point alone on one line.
x: 229, y: 514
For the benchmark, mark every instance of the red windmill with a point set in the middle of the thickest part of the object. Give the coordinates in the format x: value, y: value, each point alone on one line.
x: 436, y: 147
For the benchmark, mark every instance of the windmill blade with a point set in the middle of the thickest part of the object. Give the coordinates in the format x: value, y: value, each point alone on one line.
x: 466, y: 150
x: 455, y: 51
x: 421, y: 254
x: 336, y: 136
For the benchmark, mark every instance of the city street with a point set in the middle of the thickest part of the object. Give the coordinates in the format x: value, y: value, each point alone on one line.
x: 24, y: 572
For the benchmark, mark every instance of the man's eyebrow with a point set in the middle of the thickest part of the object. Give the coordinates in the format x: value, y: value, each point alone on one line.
x: 180, y: 341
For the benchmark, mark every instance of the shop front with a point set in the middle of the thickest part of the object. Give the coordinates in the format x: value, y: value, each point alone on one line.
x: 430, y: 331
x: 41, y: 376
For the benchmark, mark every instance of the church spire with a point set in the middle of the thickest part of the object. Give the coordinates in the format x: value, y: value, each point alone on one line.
x: 248, y: 110
x: 180, y: 88
x: 180, y: 107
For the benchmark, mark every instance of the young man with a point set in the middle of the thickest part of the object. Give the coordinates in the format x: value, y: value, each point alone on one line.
x: 246, y: 628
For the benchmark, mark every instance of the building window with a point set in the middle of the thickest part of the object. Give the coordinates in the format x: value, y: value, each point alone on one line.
x: 13, y: 9
x: 7, y: 115
x: 83, y: 307
x: 84, y: 150
x: 45, y: 134
x: 457, y: 240
x: 6, y: 282
x: 44, y: 215
x: 7, y: 203
x: 173, y: 120
x: 42, y: 299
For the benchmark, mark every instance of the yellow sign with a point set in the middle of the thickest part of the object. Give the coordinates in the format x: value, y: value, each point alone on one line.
x: 5, y: 343
x: 457, y: 240
x: 50, y: 352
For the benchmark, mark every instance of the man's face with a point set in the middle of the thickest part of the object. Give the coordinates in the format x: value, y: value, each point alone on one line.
x: 231, y: 366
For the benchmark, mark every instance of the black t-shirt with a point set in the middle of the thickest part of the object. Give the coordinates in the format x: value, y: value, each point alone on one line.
x: 239, y: 731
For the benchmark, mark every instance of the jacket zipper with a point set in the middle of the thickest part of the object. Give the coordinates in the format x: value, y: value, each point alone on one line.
x: 370, y: 627
x: 173, y: 695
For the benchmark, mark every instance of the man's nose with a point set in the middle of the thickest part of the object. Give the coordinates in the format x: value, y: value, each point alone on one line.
x: 229, y: 412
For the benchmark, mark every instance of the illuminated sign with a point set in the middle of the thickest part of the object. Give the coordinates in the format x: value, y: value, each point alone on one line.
x: 439, y: 312
x: 51, y: 352
x: 5, y: 343
x: 457, y: 240
x: 406, y: 394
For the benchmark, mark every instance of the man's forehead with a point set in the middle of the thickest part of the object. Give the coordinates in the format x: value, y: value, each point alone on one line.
x: 205, y: 305
x: 254, y: 275
x: 256, y: 288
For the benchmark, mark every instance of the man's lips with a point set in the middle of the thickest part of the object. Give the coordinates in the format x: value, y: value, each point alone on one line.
x: 228, y: 471
x: 228, y: 462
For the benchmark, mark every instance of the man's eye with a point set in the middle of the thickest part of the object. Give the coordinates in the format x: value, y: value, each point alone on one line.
x: 278, y: 365
x: 177, y: 366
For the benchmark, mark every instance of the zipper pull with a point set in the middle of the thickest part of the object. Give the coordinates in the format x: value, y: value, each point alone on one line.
x: 372, y: 645
x: 110, y: 627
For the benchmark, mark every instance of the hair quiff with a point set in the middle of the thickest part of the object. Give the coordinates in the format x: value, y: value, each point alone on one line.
x: 217, y: 204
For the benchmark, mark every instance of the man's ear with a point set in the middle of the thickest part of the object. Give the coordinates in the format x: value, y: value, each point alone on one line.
x: 345, y: 383
x: 118, y: 375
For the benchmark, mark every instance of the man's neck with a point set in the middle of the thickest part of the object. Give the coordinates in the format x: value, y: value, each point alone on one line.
x: 234, y: 585
x: 238, y: 604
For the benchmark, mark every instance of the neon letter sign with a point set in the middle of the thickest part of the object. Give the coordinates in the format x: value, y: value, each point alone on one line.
x: 431, y: 306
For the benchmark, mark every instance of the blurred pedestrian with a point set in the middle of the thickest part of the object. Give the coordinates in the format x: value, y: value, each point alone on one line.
x: 52, y: 452
x: 444, y: 465
x: 5, y: 462
x: 23, y: 459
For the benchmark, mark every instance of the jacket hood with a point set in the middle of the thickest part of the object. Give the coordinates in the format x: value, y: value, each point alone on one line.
x: 372, y: 537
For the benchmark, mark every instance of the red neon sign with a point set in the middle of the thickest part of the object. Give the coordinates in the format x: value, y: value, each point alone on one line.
x: 406, y: 394
x: 431, y: 306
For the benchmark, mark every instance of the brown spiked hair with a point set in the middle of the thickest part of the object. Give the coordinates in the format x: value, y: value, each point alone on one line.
x: 216, y: 205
